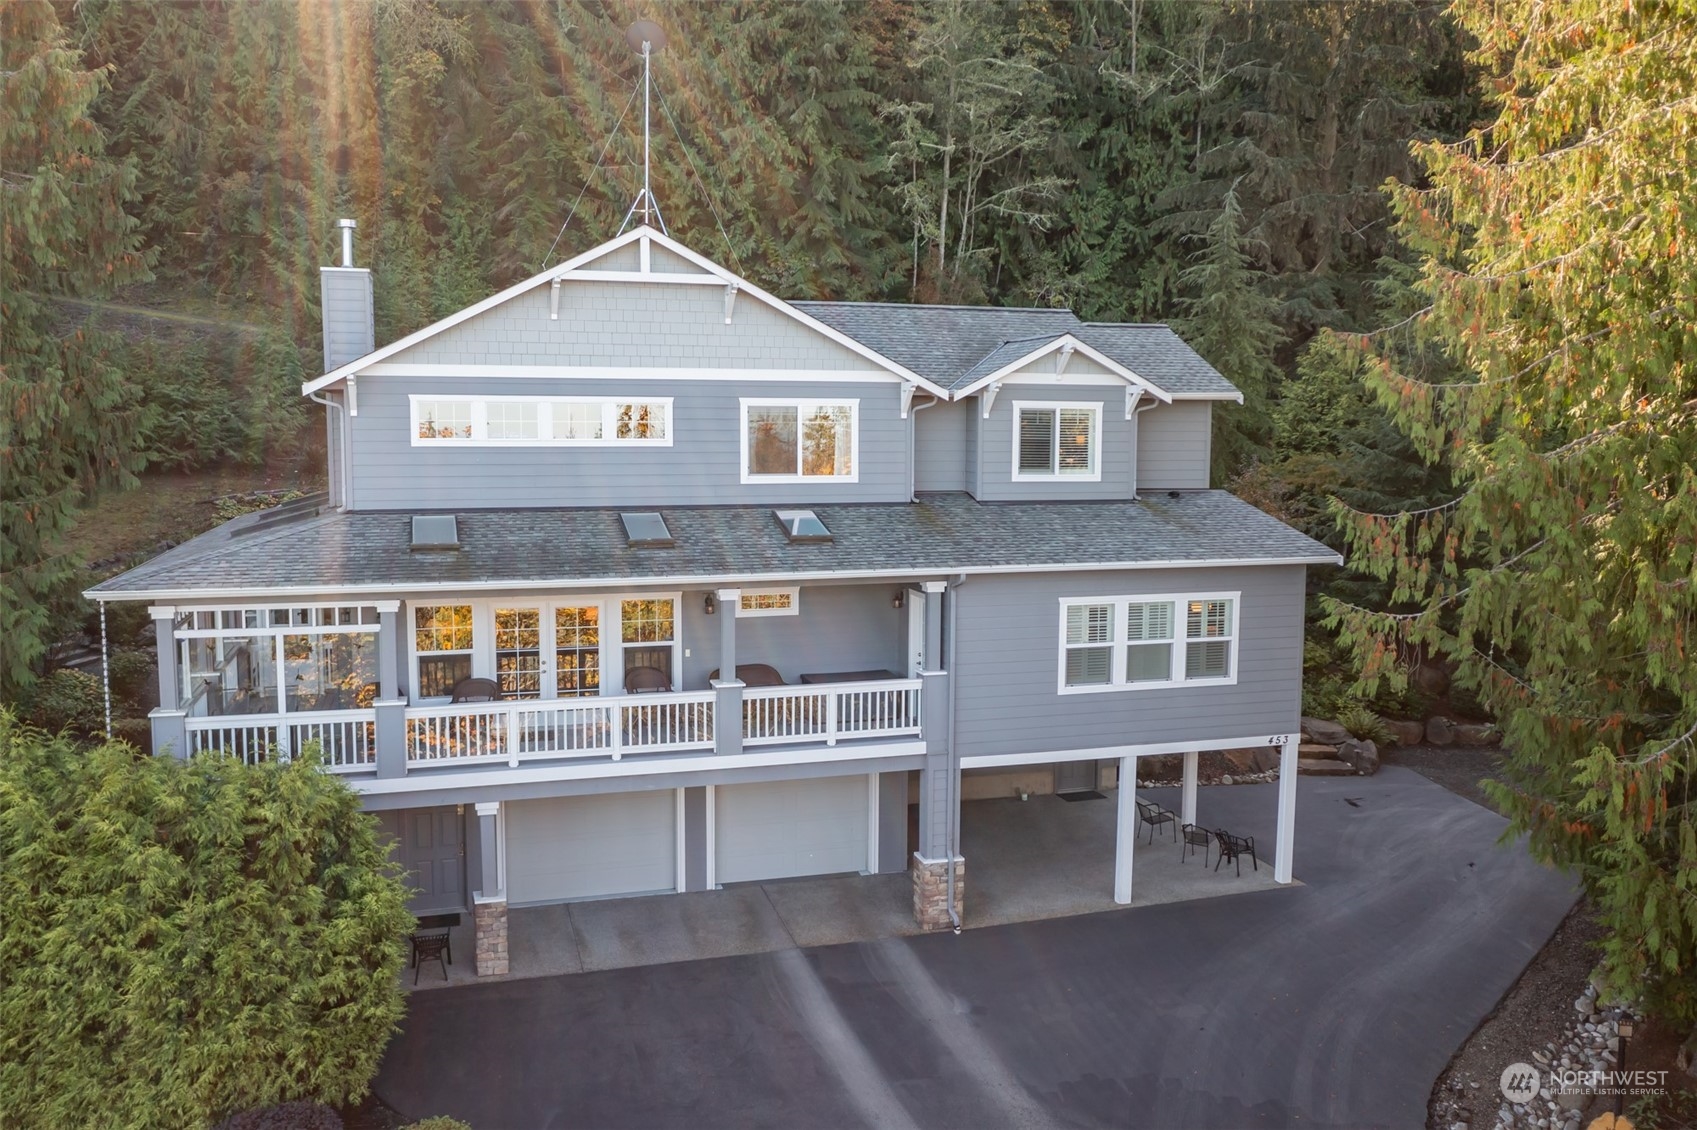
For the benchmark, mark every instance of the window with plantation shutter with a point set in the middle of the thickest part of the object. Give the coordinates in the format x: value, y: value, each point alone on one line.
x: 1134, y: 642
x: 1053, y: 441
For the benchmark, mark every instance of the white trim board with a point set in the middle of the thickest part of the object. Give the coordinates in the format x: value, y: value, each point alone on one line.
x: 427, y: 780
x: 409, y: 591
x: 1104, y: 753
x: 1064, y: 341
x: 624, y: 374
x: 563, y: 272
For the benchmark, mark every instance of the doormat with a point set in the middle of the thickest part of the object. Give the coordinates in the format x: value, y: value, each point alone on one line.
x: 1088, y: 794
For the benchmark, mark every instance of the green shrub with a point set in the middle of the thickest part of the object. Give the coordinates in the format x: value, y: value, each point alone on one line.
x: 186, y: 940
x: 133, y: 678
x: 1363, y: 724
x: 67, y: 699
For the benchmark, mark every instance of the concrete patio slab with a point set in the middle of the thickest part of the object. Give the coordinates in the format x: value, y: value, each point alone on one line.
x: 617, y: 933
x: 1048, y: 858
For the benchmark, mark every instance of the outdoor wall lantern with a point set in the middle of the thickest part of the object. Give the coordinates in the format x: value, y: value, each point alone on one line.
x: 900, y: 598
x: 711, y: 604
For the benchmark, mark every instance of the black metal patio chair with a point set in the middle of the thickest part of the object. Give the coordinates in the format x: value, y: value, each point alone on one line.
x: 1235, y: 848
x: 1193, y: 838
x: 1154, y: 816
x: 430, y: 947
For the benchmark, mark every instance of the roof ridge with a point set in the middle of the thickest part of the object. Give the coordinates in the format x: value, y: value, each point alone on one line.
x: 934, y: 306
x: 1132, y: 325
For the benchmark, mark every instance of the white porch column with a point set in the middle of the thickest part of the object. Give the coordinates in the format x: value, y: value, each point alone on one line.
x: 1187, y: 798
x: 1125, y: 832
x: 1285, y: 843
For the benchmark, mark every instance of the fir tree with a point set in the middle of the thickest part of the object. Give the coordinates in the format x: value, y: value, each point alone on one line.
x: 70, y: 419
x: 1559, y: 272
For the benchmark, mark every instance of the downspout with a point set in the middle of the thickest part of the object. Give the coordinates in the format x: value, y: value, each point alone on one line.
x: 952, y: 830
x: 342, y: 433
x: 1137, y: 441
x: 912, y: 439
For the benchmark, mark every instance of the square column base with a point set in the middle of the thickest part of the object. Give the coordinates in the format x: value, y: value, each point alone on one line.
x: 491, y: 922
x: 931, y: 892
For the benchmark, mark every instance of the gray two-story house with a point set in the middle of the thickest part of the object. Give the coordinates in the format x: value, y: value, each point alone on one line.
x: 635, y: 578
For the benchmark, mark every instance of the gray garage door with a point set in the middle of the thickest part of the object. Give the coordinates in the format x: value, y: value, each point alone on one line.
x: 591, y: 846
x: 777, y: 829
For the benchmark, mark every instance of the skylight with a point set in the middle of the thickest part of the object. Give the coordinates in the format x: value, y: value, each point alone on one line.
x: 646, y: 529
x: 802, y: 525
x: 435, y: 531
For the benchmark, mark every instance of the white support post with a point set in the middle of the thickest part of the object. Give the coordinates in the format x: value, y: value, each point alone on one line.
x: 1285, y: 843
x: 1125, y: 832
x: 1187, y: 799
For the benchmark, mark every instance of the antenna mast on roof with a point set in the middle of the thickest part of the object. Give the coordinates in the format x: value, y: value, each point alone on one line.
x: 645, y: 37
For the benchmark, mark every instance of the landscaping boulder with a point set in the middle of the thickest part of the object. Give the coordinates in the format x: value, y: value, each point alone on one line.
x: 1322, y: 732
x: 1406, y: 733
x: 1430, y: 678
x: 1686, y: 1058
x: 1440, y: 730
x: 1361, y: 755
x: 1477, y: 734
x: 1166, y: 767
x: 1244, y: 761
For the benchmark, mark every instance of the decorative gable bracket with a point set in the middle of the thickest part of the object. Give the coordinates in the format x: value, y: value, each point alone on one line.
x: 908, y: 388
x: 554, y: 300
x: 989, y: 397
x: 1133, y: 394
x: 730, y: 300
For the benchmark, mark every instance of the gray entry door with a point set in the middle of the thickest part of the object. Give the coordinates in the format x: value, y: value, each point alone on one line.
x: 432, y: 849
x: 1075, y: 776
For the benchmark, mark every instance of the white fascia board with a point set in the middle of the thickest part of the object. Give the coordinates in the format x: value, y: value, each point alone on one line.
x: 1234, y: 396
x: 430, y: 780
x: 360, y: 363
x: 1064, y: 341
x: 1114, y: 752
x: 692, y: 581
x: 625, y: 374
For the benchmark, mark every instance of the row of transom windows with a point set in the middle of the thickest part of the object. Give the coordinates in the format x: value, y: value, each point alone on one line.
x: 781, y: 438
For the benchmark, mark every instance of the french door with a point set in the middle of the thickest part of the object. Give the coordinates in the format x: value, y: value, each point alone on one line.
x: 550, y: 650
x: 560, y: 649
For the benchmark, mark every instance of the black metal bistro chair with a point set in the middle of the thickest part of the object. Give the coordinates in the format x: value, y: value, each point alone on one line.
x: 432, y: 946
x: 1235, y: 848
x: 1193, y: 838
x: 1154, y: 816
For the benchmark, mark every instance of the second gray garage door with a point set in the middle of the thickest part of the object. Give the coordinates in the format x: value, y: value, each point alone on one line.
x: 591, y: 846
x: 778, y: 829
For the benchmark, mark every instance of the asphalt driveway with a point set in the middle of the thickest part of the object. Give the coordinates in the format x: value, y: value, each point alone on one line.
x: 1332, y: 1004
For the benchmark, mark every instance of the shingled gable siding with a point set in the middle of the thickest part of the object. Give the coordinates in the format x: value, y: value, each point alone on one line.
x: 1173, y: 446
x: 1007, y: 667
x: 701, y: 467
x: 996, y: 454
x: 939, y: 446
x: 633, y: 324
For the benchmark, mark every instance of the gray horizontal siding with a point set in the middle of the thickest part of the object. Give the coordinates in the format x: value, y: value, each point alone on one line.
x: 1007, y: 642
x: 703, y: 465
x: 1173, y: 446
x: 939, y: 446
x: 631, y: 324
x: 839, y: 628
x: 347, y: 314
x: 996, y: 446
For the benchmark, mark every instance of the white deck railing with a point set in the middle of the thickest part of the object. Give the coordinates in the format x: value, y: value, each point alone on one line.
x: 588, y: 727
x: 515, y: 732
x: 347, y: 739
x: 830, y: 711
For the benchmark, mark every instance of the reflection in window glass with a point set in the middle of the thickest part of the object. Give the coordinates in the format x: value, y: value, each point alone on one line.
x: 514, y: 419
x: 444, y: 419
x: 641, y: 421
x: 442, y: 636
x: 827, y: 441
x: 772, y: 448
x: 577, y: 650
x: 518, y: 652
x: 330, y: 672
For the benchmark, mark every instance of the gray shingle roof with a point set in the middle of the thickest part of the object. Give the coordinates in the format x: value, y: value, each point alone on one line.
x: 956, y: 345
x: 941, y: 533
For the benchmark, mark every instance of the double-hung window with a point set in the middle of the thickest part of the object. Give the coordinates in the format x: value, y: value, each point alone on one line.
x: 799, y: 440
x: 1148, y: 641
x: 443, y: 642
x: 1054, y: 441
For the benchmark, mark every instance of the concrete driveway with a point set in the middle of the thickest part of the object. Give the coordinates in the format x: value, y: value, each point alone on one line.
x: 1334, y: 1003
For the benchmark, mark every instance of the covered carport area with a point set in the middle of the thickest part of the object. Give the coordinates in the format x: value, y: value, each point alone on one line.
x: 1047, y: 856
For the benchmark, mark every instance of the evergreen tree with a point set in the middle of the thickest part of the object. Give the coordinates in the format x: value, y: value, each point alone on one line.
x: 1228, y: 319
x: 70, y: 420
x: 1559, y: 272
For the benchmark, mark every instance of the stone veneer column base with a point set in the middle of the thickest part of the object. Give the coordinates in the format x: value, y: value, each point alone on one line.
x: 491, y: 920
x: 931, y: 892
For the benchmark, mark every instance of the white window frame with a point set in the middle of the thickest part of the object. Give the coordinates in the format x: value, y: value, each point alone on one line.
x: 612, y: 635
x: 801, y: 405
x: 1117, y: 665
x: 609, y: 406
x: 794, y: 609
x: 1094, y: 475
